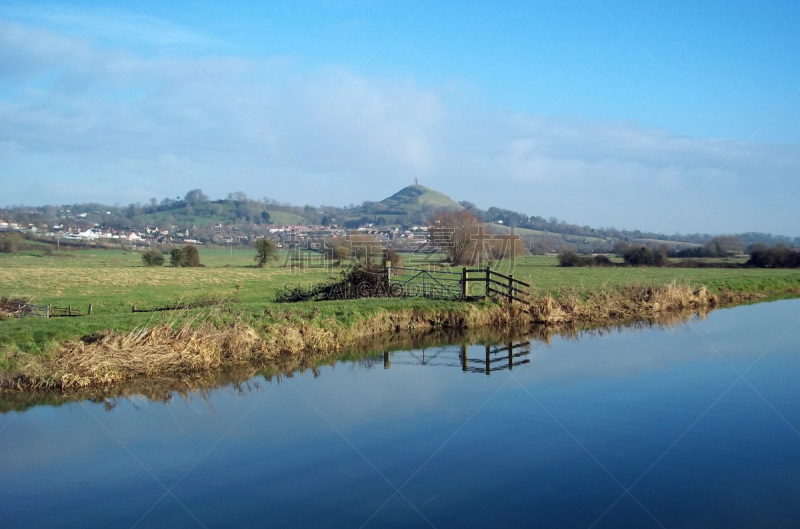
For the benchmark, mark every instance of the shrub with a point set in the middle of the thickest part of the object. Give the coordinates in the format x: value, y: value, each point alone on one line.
x: 341, y: 253
x: 266, y: 250
x: 602, y: 260
x: 176, y: 257
x: 778, y: 256
x: 393, y: 258
x: 152, y: 258
x: 569, y: 258
x: 186, y: 256
x: 723, y: 246
x: 757, y: 247
x: 191, y: 256
x: 10, y: 242
x: 640, y: 256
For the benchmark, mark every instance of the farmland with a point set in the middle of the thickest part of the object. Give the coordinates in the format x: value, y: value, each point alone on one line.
x: 113, y: 281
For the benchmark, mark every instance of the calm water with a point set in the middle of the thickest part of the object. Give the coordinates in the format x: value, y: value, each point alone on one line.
x: 555, y: 442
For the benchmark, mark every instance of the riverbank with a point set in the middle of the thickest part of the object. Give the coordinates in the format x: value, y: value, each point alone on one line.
x: 221, y: 340
x: 231, y: 318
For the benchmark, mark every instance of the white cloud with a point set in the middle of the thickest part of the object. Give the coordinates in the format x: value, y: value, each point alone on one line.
x: 170, y: 126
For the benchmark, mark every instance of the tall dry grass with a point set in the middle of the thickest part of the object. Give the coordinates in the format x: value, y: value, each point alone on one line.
x: 181, y: 351
x: 626, y: 303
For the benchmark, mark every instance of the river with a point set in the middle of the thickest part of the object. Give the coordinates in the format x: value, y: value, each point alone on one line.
x: 694, y: 425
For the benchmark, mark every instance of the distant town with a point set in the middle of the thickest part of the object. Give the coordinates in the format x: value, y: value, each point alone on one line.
x: 399, y: 221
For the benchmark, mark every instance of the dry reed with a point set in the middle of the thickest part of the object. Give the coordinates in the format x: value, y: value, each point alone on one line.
x: 183, y: 351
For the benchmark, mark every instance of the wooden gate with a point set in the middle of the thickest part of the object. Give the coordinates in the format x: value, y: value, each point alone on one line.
x: 495, y: 285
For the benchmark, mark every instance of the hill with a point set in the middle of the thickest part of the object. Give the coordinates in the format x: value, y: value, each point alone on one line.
x: 419, y: 198
x: 411, y: 206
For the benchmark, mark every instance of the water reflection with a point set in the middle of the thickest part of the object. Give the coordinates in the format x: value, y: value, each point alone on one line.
x: 496, y: 358
x: 557, y: 441
x: 483, y: 350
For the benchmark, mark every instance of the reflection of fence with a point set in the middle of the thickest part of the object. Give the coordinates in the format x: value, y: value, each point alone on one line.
x: 493, y: 358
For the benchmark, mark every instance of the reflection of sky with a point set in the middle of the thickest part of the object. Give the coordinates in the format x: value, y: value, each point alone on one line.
x: 290, y: 453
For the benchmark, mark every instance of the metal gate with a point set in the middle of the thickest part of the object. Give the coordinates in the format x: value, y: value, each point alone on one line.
x: 431, y: 284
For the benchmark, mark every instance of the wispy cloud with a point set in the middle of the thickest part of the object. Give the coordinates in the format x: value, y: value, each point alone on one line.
x: 169, y: 127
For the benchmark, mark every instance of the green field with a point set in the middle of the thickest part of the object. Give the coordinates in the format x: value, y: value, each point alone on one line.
x: 114, y: 280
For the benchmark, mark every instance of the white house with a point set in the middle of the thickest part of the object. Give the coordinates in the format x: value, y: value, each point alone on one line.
x: 89, y: 235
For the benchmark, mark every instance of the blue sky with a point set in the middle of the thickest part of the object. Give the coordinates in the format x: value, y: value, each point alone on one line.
x: 669, y: 116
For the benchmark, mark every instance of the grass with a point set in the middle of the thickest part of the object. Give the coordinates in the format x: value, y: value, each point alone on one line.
x: 114, y: 280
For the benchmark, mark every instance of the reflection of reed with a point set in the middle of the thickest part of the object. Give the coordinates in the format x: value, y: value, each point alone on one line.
x: 366, y: 353
x: 187, y: 349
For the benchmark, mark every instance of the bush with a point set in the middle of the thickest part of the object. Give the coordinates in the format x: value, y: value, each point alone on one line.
x: 184, y: 257
x: 176, y: 257
x: 602, y: 260
x: 152, y: 258
x: 191, y: 256
x: 569, y: 258
x: 778, y: 256
x: 757, y: 247
x: 266, y: 250
x: 393, y: 258
x: 640, y: 256
x: 10, y: 242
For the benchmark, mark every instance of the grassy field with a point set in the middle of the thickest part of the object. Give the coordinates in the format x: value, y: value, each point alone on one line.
x: 114, y: 280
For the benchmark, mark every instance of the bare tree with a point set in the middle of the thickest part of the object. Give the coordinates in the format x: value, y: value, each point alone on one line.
x: 724, y: 246
x: 459, y: 234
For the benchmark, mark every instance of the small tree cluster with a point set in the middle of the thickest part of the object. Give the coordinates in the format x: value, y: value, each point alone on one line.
x: 185, y: 257
x: 152, y: 258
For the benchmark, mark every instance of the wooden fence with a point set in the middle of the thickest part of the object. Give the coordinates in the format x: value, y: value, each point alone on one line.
x: 29, y: 310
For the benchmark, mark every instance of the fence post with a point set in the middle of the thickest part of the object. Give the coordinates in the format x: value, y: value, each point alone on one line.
x: 488, y: 277
x: 133, y: 308
x: 90, y: 310
x: 511, y: 288
x: 464, y: 283
x: 47, y: 311
x: 69, y: 310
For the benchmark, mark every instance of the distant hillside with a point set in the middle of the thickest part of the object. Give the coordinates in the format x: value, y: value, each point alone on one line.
x: 411, y: 206
x: 419, y: 198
